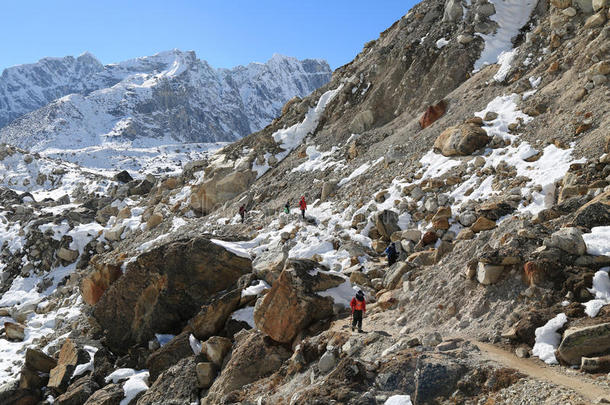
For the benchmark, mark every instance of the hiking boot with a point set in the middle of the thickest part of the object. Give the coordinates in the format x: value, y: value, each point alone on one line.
x: 360, y: 331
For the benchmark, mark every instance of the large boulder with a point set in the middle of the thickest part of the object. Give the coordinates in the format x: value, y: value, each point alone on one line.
x: 220, y: 188
x: 253, y: 357
x: 393, y: 276
x: 584, y: 342
x: 112, y: 394
x: 78, y: 392
x: 214, y: 314
x: 461, y: 140
x: 94, y: 285
x: 292, y: 303
x: 269, y: 264
x: 168, y: 355
x: 177, y: 385
x: 216, y: 349
x: 436, y: 377
x: 386, y: 223
x: 70, y: 356
x: 569, y: 240
x: 165, y: 287
x: 453, y: 11
x: 433, y: 113
x: 594, y: 213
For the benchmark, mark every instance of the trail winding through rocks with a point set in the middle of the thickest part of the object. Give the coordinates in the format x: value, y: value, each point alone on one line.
x: 532, y: 369
x: 528, y: 366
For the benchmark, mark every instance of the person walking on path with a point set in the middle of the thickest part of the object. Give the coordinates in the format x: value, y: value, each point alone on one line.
x: 358, y: 305
x: 242, y: 213
x: 303, y: 206
x: 392, y: 254
x: 287, y: 207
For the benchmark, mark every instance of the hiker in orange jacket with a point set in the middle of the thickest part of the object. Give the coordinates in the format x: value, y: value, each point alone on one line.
x: 303, y: 205
x: 358, y: 305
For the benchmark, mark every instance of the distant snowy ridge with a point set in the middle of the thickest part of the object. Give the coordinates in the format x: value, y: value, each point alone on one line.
x: 74, y: 103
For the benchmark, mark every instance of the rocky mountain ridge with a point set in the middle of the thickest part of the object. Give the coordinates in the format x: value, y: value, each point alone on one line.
x: 73, y: 103
x: 494, y: 186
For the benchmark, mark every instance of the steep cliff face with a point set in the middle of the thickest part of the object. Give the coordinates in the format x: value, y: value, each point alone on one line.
x: 168, y: 97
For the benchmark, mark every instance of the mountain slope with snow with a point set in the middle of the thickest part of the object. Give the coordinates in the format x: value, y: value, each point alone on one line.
x: 165, y: 98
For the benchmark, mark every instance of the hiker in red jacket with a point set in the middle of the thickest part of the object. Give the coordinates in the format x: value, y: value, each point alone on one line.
x: 303, y: 205
x: 358, y: 305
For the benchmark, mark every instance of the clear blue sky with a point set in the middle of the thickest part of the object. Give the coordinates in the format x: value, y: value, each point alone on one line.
x: 223, y: 32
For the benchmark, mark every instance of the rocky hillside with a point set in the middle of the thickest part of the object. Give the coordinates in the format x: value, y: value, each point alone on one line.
x: 473, y: 135
x: 172, y: 96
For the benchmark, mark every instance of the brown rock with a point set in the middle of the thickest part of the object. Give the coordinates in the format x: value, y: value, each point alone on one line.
x: 440, y: 223
x: 213, y: 314
x: 254, y: 356
x: 124, y: 213
x: 581, y: 342
x: 216, y: 349
x: 67, y: 255
x: 596, y: 20
x: 561, y: 4
x: 70, y: 356
x: 292, y: 303
x: 433, y: 113
x: 461, y: 140
x: 221, y: 187
x: 388, y: 300
x: 78, y: 392
x: 386, y: 223
x: 37, y: 360
x: 429, y: 238
x: 483, y: 224
x: 97, y: 282
x: 168, y: 355
x: 206, y: 373
x: 537, y: 272
x: 594, y: 213
x: 475, y: 120
x: 154, y: 220
x: 163, y: 288
x: 14, y: 331
x: 465, y: 234
x: 423, y: 258
x: 112, y: 394
x: 176, y: 385
x: 595, y: 364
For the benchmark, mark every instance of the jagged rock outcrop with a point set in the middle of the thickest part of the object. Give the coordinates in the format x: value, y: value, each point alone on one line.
x: 165, y: 287
x: 254, y: 356
x: 292, y: 303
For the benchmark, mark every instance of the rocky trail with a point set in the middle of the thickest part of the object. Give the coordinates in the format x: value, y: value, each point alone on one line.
x: 532, y: 368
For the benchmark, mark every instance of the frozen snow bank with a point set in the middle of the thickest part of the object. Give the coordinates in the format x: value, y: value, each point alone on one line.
x: 363, y: 168
x: 232, y: 247
x: 505, y: 59
x: 547, y: 339
x: 398, y: 400
x: 598, y: 241
x: 601, y: 291
x: 245, y: 315
x: 510, y: 15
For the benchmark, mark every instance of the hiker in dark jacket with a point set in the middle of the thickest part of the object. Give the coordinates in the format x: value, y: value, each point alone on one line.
x: 242, y: 213
x: 358, y: 305
x: 303, y: 206
x: 392, y: 254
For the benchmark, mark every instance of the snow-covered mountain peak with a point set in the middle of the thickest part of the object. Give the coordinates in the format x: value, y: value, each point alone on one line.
x: 171, y: 96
